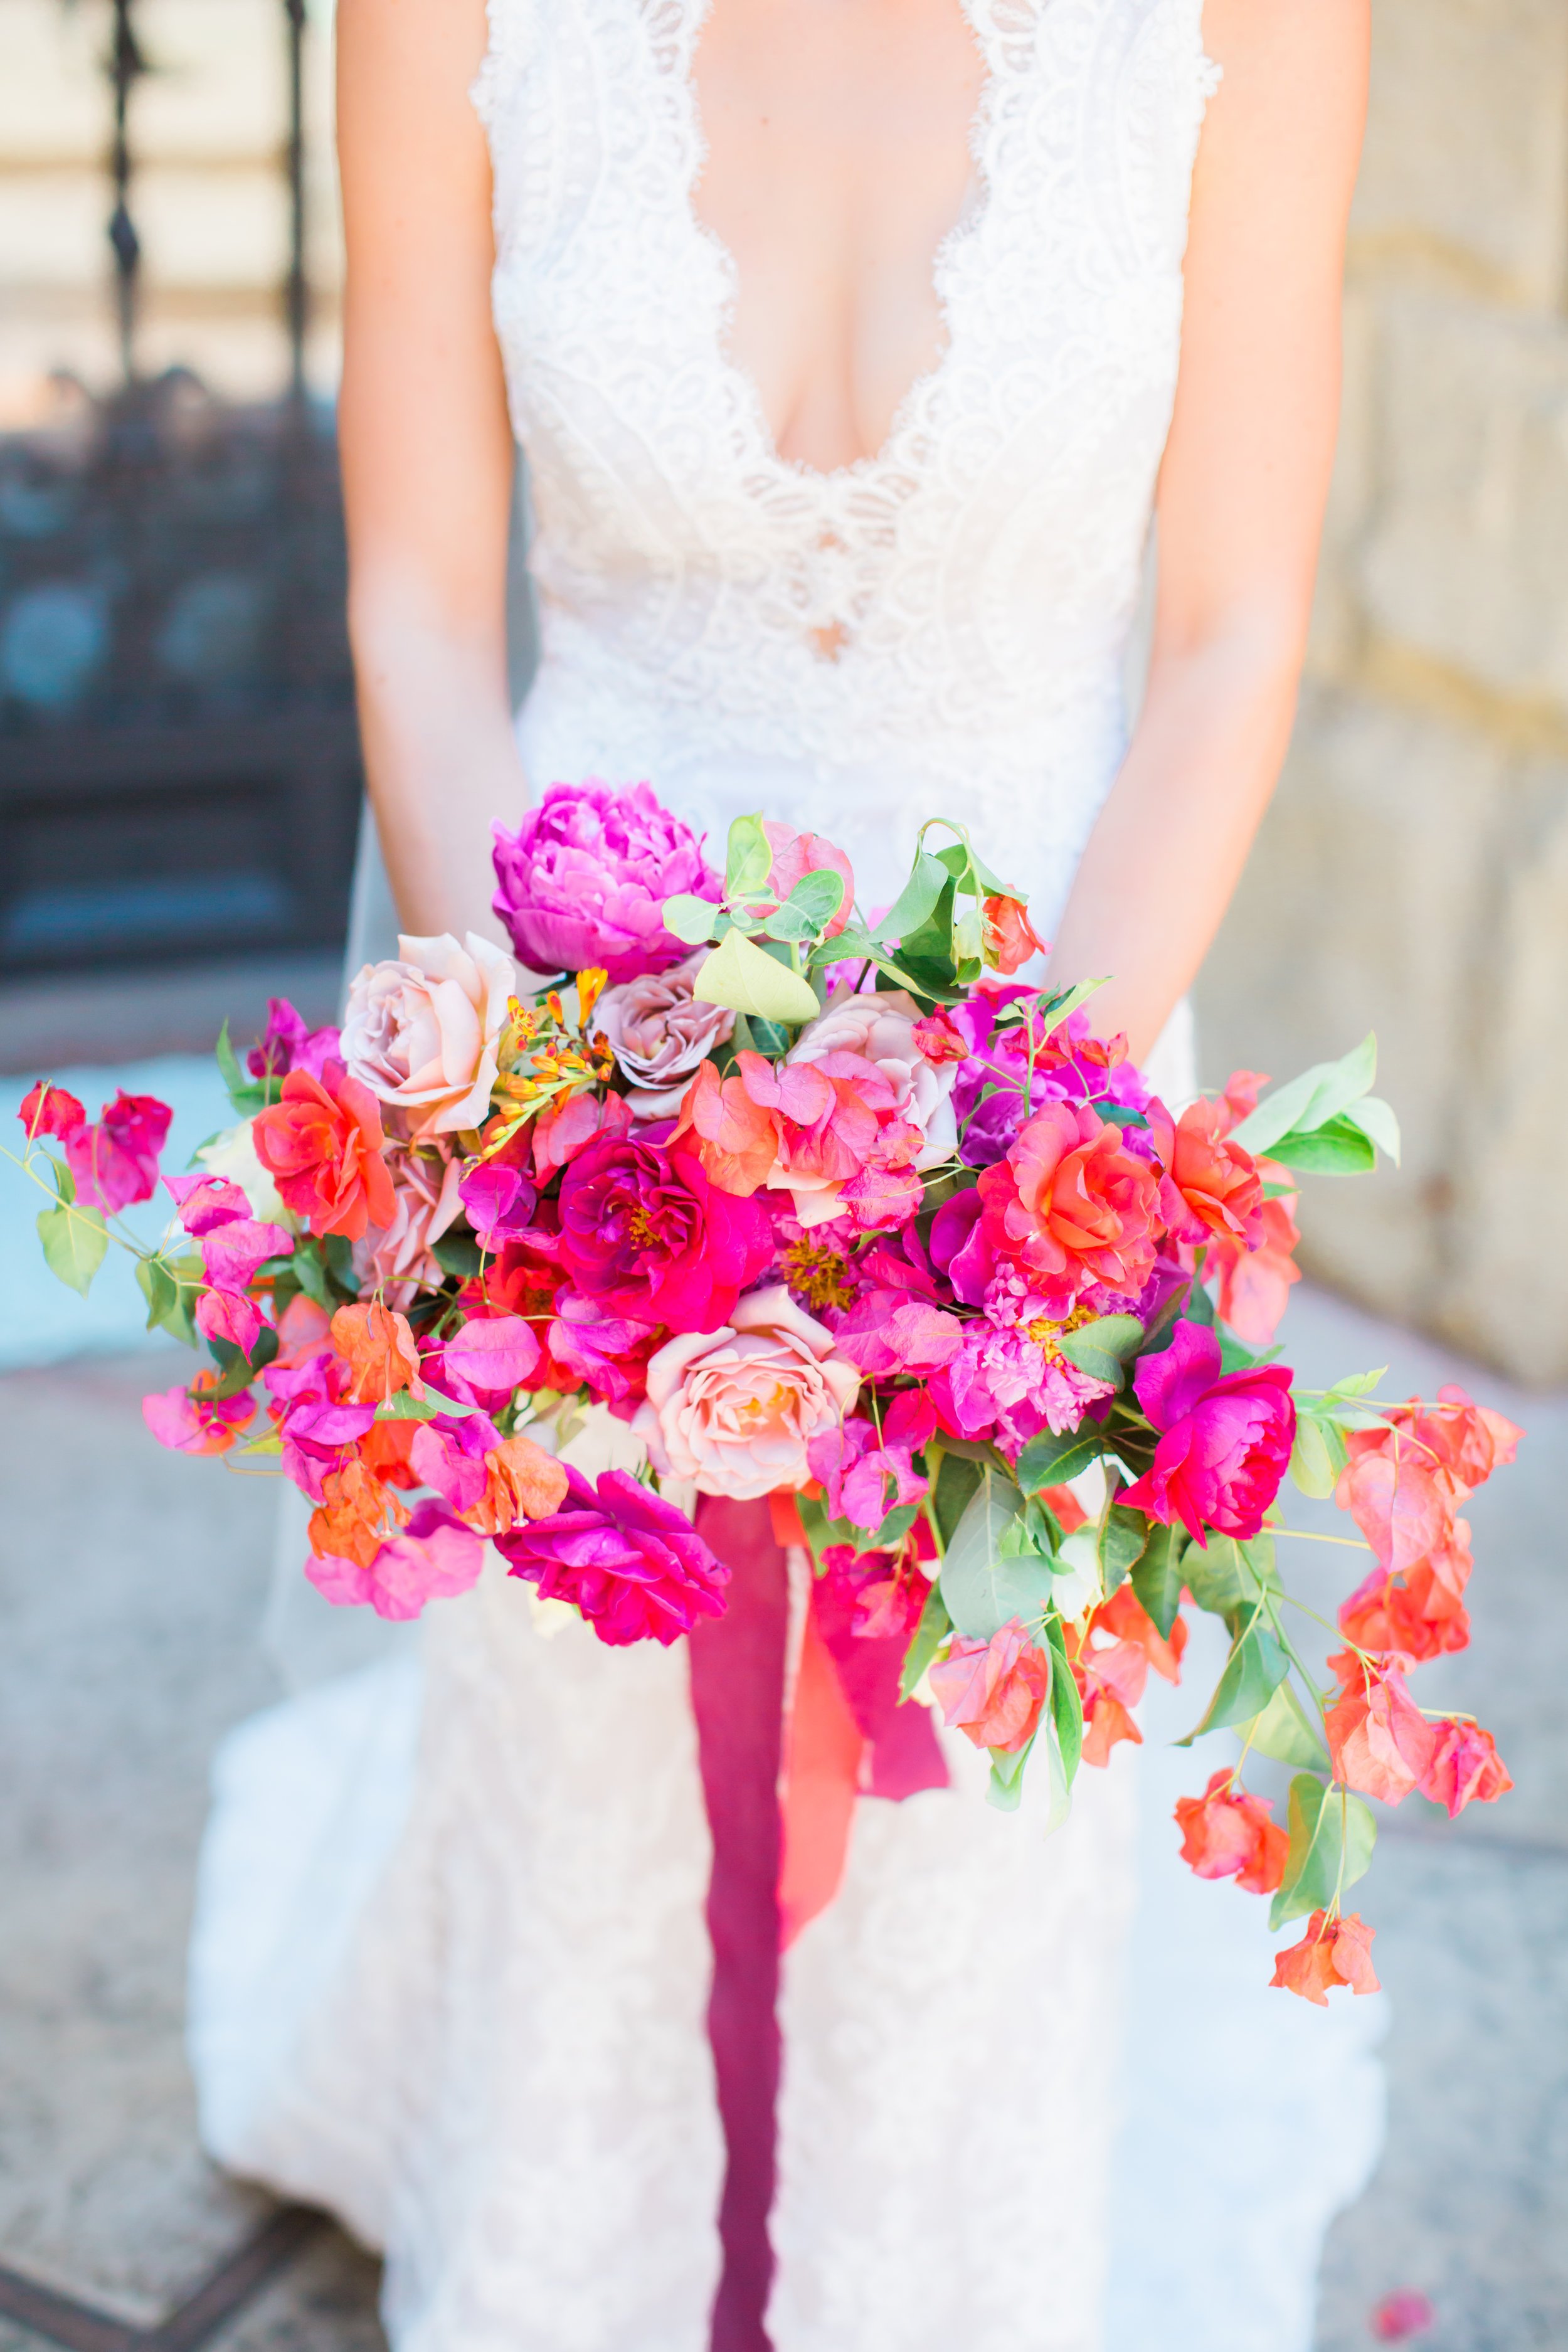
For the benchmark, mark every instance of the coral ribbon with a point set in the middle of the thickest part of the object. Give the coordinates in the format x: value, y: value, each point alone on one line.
x: 776, y: 1866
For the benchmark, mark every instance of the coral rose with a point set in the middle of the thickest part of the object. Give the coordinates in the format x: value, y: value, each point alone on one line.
x: 1332, y: 1952
x: 993, y: 1691
x: 584, y: 880
x: 1225, y: 1438
x: 321, y: 1145
x: 422, y: 1033
x: 735, y: 1410
x: 1220, y: 1184
x: 633, y: 1564
x: 644, y: 1232
x: 659, y: 1035
x: 1074, y: 1205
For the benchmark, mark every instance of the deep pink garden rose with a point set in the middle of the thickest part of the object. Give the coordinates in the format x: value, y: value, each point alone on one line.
x: 1225, y: 1438
x: 644, y: 1232
x: 115, y: 1163
x: 434, y: 1557
x: 634, y: 1565
x: 583, y: 878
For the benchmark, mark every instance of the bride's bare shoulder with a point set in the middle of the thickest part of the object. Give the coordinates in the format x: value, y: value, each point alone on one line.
x: 405, y: 66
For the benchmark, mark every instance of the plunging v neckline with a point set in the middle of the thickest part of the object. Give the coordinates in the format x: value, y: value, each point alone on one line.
x: 979, y: 197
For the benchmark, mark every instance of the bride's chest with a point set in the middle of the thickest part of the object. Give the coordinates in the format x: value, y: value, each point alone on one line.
x: 1057, y: 292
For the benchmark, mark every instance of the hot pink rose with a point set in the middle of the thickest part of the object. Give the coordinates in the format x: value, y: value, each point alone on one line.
x: 736, y: 1410
x: 645, y: 1232
x: 659, y: 1035
x: 1225, y: 1438
x: 422, y: 1033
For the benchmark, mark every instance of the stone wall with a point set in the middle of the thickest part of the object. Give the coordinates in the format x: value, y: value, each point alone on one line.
x: 1413, y: 875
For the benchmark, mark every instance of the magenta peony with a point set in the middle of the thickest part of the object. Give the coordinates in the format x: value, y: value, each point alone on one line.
x: 633, y: 1564
x: 646, y: 1234
x: 1224, y: 1442
x: 583, y: 879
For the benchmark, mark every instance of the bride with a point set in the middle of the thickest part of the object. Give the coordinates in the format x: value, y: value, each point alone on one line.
x: 853, y: 344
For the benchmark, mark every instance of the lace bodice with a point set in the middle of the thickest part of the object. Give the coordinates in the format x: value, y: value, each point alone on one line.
x: 949, y: 613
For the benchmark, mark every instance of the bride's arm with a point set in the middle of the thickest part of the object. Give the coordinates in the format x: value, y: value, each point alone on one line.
x: 1242, y: 494
x: 427, y: 453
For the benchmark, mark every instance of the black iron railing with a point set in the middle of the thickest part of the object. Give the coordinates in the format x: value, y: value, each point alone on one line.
x: 178, y: 759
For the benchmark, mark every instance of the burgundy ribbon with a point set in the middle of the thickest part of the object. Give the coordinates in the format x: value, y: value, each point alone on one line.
x: 738, y: 1670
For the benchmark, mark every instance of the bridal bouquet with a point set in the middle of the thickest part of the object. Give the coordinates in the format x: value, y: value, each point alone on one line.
x: 830, y: 1208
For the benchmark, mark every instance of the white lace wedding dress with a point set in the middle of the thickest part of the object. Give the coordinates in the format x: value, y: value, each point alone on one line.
x: 450, y: 1966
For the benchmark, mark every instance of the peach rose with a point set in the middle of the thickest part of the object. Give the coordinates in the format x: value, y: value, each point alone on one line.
x: 735, y: 1410
x: 659, y: 1036
x: 422, y: 1033
x: 395, y: 1259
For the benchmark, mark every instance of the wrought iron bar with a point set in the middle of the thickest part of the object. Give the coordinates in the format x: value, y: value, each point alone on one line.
x: 296, y: 287
x: 126, y: 65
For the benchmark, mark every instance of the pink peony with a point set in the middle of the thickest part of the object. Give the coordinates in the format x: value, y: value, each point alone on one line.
x: 423, y: 1033
x: 584, y: 880
x: 633, y: 1564
x: 796, y: 854
x: 115, y: 1163
x: 644, y: 1231
x: 397, y: 1259
x: 434, y: 1557
x: 659, y: 1035
x: 736, y: 1409
x: 993, y: 1691
x: 1225, y: 1438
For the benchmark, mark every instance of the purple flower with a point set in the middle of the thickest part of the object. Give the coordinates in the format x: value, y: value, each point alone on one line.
x: 608, y: 1353
x: 290, y: 1045
x: 634, y: 1565
x: 449, y: 1454
x: 500, y: 1201
x: 1225, y: 1438
x: 646, y: 1234
x: 585, y: 878
x: 434, y: 1557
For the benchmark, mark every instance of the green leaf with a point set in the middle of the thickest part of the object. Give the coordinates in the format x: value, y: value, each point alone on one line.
x: 815, y: 900
x: 738, y: 973
x: 913, y: 905
x: 932, y: 940
x: 1319, y: 1455
x: 1338, y: 1148
x: 1158, y: 1577
x: 310, y: 1273
x: 1327, y: 1826
x: 1309, y: 1102
x: 1254, y: 1672
x: 75, y: 1240
x: 1006, y: 1788
x: 1067, y: 1707
x: 171, y: 1287
x: 748, y: 862
x: 1123, y: 1540
x: 404, y: 1406
x: 933, y: 1631
x: 690, y: 918
x: 1376, y: 1118
x: 1356, y: 1384
x: 957, y: 1478
x: 983, y: 1587
x: 458, y: 1254
x: 1051, y: 1461
x: 1224, y: 1580
x: 1061, y: 1008
x: 1101, y: 1348
x: 1287, y: 1732
x: 65, y: 1182
x: 242, y: 1092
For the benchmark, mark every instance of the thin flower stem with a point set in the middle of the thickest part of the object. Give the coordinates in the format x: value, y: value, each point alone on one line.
x: 1309, y: 1535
